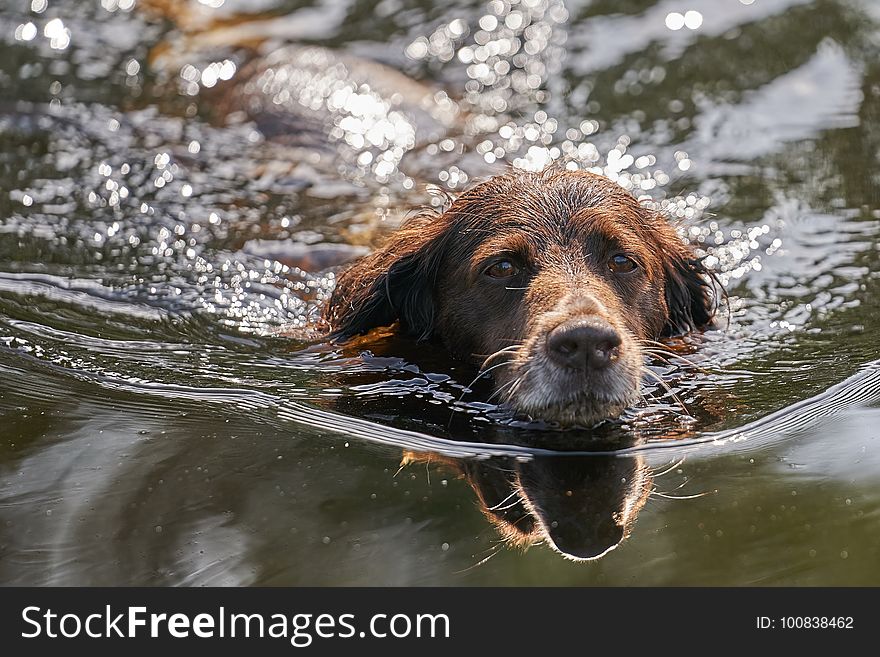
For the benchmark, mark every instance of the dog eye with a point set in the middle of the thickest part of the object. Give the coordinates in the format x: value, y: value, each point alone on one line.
x: 621, y: 264
x: 502, y: 269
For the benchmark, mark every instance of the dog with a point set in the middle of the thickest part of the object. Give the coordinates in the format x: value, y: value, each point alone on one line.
x: 552, y: 282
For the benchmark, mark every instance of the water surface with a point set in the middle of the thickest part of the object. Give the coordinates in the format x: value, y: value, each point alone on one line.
x: 179, y: 181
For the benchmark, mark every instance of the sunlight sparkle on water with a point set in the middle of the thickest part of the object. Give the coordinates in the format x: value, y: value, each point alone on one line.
x: 58, y: 35
x: 511, y: 54
x: 692, y: 20
x: 121, y: 5
x: 26, y: 32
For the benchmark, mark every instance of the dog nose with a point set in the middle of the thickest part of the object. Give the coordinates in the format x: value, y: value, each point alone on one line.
x: 584, y: 344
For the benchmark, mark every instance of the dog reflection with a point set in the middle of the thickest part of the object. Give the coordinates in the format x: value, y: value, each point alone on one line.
x: 581, y: 506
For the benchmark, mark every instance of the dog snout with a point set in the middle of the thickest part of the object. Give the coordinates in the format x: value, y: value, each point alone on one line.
x: 584, y: 344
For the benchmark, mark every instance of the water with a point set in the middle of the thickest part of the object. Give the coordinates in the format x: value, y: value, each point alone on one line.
x: 179, y: 180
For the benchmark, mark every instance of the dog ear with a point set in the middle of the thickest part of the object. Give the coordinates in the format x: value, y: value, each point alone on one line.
x: 690, y: 298
x: 395, y: 283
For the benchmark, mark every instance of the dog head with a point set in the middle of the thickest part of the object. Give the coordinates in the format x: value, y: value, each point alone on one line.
x: 551, y: 281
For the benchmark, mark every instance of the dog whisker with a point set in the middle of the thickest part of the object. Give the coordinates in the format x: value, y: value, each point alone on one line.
x: 502, y: 506
x: 500, y: 390
x: 516, y: 385
x: 468, y: 389
x: 501, y: 352
x: 667, y: 356
x: 481, y: 561
x: 485, y: 372
x: 669, y: 469
x: 680, y: 497
x: 668, y: 389
x: 658, y: 348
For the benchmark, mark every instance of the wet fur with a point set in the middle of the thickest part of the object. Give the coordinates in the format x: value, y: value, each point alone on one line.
x: 562, y: 226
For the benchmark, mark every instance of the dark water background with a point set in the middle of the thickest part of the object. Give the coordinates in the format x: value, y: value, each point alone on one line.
x: 177, y: 180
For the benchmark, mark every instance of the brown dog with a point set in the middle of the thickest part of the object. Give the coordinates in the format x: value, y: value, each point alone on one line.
x: 552, y: 280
